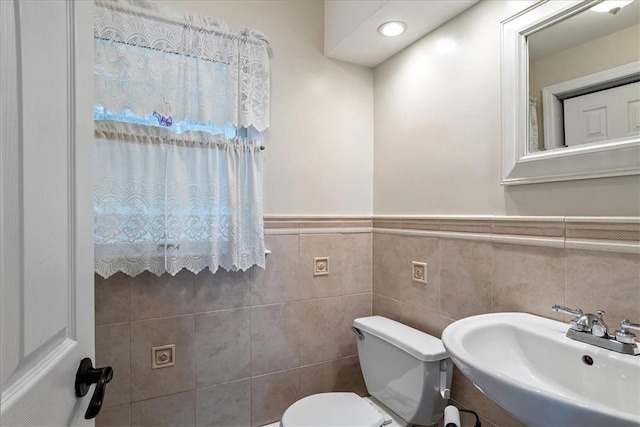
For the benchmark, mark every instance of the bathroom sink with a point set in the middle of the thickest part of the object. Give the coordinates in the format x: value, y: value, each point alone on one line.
x: 526, y: 365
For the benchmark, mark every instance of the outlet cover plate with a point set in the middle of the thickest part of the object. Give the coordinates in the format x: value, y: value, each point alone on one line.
x: 321, y: 266
x: 163, y: 356
x: 419, y: 273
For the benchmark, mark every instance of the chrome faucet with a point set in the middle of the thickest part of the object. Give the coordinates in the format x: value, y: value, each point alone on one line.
x: 591, y: 329
x: 585, y: 322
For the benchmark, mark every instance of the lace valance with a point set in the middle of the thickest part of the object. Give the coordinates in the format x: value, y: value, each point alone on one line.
x: 149, y: 58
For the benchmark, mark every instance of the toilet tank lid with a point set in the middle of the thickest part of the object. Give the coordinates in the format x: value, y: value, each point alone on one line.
x: 420, y: 345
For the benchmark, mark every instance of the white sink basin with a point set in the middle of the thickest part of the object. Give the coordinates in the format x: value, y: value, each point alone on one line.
x: 526, y: 365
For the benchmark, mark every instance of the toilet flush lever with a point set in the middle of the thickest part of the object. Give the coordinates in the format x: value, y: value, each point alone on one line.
x: 444, y: 391
x: 358, y: 333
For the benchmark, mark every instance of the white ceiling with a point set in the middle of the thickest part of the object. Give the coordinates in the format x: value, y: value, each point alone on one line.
x: 351, y: 26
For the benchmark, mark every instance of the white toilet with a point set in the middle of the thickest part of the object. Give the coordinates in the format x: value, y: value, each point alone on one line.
x: 407, y: 372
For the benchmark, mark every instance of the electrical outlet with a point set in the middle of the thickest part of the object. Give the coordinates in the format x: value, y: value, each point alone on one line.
x: 419, y: 272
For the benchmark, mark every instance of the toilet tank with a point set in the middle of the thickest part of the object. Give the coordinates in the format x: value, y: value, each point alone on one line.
x: 408, y: 371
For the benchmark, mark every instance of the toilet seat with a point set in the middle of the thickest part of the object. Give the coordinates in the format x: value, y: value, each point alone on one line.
x: 332, y: 410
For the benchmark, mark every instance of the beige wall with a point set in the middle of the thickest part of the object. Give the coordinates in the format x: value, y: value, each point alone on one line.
x: 619, y: 48
x: 319, y: 157
x: 437, y: 132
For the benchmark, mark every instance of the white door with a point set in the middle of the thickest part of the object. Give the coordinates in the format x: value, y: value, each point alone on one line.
x: 46, y: 219
x: 605, y: 115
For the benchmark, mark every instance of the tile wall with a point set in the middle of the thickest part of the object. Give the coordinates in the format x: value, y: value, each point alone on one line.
x: 496, y: 265
x: 247, y: 344
x: 250, y: 344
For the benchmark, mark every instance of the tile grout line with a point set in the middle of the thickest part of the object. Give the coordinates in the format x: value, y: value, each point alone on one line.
x: 251, y: 361
x: 195, y: 359
x: 439, y: 278
x: 564, y: 258
x: 130, y: 356
x: 491, y: 286
x: 298, y: 334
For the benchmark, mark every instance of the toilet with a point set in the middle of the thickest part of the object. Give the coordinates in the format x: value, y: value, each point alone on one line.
x: 407, y: 373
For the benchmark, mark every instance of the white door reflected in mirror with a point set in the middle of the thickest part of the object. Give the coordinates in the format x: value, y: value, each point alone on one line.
x: 604, y: 115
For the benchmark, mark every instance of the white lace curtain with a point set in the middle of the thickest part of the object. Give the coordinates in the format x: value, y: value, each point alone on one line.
x: 173, y: 188
x: 185, y: 66
x: 533, y: 125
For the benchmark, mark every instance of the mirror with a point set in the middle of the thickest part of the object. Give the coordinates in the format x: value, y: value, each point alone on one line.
x: 571, y: 91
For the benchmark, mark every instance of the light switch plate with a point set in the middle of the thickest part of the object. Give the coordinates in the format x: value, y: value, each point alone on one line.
x: 321, y: 266
x: 419, y: 272
x: 163, y: 356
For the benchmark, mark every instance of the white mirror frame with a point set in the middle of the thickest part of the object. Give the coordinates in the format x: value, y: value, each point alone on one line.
x: 518, y: 166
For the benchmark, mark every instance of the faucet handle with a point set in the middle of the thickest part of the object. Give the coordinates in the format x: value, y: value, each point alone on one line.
x: 623, y: 335
x: 576, y: 323
x: 563, y: 309
x: 600, y: 313
x: 626, y: 324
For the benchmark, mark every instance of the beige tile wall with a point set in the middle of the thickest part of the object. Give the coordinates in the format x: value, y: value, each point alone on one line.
x: 250, y: 344
x: 247, y: 344
x: 472, y: 277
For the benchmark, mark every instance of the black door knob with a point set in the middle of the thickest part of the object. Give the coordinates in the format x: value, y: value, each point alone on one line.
x: 87, y: 375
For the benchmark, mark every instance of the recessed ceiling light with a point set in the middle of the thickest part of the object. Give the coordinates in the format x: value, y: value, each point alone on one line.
x: 392, y: 28
x: 612, y: 6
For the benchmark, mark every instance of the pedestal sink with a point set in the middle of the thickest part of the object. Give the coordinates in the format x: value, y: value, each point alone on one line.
x: 526, y: 365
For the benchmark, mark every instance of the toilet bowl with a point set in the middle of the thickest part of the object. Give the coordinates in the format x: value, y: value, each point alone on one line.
x: 407, y: 373
x: 332, y: 409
